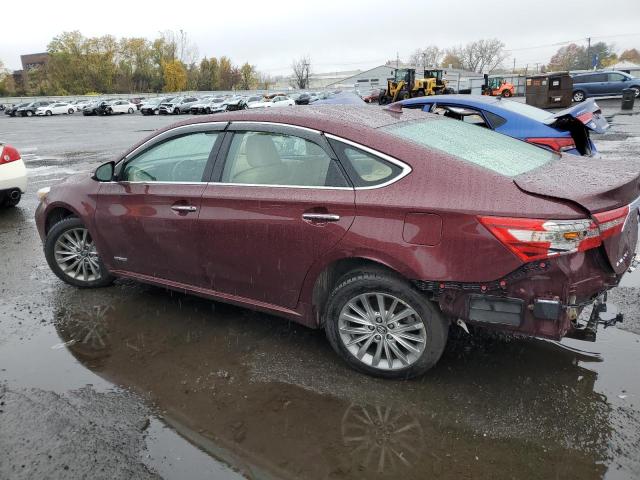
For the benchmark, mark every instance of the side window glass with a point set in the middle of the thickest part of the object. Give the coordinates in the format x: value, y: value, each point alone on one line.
x: 615, y: 77
x: 366, y: 169
x: 259, y: 158
x: 179, y: 159
x: 496, y: 121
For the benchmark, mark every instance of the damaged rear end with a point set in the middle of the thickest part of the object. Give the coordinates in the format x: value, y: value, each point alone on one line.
x: 567, y: 264
x: 579, y: 120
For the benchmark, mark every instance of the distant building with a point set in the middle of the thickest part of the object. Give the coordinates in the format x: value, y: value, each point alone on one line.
x: 34, y: 60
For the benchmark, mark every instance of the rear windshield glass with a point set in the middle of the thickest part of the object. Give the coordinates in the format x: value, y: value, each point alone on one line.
x: 524, y: 109
x: 477, y: 145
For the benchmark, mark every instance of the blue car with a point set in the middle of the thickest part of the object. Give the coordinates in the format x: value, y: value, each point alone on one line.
x: 567, y: 131
x: 602, y: 84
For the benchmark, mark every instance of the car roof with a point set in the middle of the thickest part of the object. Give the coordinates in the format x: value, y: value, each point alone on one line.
x: 359, y: 124
x: 469, y: 99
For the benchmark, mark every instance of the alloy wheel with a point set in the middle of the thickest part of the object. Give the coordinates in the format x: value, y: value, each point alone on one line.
x: 382, y: 331
x: 76, y: 255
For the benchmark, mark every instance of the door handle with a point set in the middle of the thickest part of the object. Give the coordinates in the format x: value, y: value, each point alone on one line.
x: 321, y: 217
x: 184, y: 208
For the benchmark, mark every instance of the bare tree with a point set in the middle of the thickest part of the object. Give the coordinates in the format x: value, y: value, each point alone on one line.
x: 482, y: 56
x: 429, y: 56
x: 301, y: 69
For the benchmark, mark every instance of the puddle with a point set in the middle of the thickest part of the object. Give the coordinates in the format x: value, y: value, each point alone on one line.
x: 171, y: 456
x: 272, y: 400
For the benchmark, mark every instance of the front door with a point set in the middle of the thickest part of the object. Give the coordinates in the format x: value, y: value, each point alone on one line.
x: 147, y: 218
x: 279, y: 200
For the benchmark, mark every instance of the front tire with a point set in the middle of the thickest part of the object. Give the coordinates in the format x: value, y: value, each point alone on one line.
x: 380, y: 325
x: 72, y: 255
x: 130, y: 110
x: 506, y: 93
x: 48, y: 113
x: 579, y: 96
x: 29, y: 113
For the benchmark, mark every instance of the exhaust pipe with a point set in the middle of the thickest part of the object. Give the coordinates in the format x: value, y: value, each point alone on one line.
x: 14, y: 194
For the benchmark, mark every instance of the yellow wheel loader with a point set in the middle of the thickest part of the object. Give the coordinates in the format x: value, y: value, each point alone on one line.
x: 405, y: 85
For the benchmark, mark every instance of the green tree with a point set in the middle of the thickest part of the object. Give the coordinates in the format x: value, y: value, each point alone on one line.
x: 248, y: 76
x: 225, y: 69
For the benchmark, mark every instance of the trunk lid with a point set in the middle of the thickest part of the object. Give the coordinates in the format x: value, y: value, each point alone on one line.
x: 596, y: 187
x: 588, y: 113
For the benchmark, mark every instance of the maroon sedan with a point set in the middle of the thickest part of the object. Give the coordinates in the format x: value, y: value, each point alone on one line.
x: 381, y: 227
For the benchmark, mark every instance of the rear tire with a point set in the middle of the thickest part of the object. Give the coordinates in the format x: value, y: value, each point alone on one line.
x: 370, y: 341
x: 69, y: 241
x: 636, y: 89
x: 579, y: 96
x: 70, y: 111
x: 506, y: 93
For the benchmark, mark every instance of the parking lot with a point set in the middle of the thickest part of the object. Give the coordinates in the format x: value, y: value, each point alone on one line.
x: 145, y: 383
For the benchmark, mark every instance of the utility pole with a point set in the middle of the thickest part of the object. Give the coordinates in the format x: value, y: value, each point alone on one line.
x: 514, y: 65
x: 397, y: 60
x: 589, y: 51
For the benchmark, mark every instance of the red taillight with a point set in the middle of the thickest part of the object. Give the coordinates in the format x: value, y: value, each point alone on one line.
x: 560, y: 144
x: 585, y: 117
x: 9, y: 154
x: 535, y: 239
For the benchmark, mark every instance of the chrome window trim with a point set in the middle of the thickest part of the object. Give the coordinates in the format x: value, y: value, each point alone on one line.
x: 406, y: 169
x: 276, y: 124
x: 191, y: 125
x: 159, y: 182
x: 225, y: 184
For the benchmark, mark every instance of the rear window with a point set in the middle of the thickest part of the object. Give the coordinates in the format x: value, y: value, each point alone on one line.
x: 524, y: 109
x: 493, y: 151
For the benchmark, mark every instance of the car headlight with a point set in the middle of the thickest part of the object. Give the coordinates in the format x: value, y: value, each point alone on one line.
x: 43, y: 192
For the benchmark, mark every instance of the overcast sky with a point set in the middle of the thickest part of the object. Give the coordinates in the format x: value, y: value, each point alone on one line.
x: 338, y: 35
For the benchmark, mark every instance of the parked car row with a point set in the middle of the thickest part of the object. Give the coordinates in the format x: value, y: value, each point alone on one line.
x: 168, y: 105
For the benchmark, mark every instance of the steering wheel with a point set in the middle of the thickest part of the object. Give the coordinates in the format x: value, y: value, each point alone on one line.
x: 185, y: 170
x: 136, y: 174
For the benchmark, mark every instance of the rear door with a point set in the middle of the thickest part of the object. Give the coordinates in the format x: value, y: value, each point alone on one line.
x: 278, y: 201
x: 147, y: 218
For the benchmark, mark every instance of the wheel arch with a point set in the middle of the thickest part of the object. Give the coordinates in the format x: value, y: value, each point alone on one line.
x: 55, y: 213
x: 323, y: 283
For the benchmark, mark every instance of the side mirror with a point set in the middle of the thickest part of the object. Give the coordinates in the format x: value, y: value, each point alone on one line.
x: 104, y: 173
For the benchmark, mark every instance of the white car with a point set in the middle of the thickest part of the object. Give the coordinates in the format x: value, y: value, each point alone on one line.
x: 277, y: 101
x: 56, y: 108
x: 120, y: 106
x: 13, y: 176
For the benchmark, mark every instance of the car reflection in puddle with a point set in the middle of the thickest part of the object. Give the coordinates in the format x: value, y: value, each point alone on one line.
x: 270, y: 399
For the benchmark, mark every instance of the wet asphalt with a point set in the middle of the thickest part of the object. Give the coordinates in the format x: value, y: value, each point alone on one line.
x: 132, y: 381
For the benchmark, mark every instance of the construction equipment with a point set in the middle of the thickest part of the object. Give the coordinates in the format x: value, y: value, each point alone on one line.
x: 497, y: 87
x: 405, y: 85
